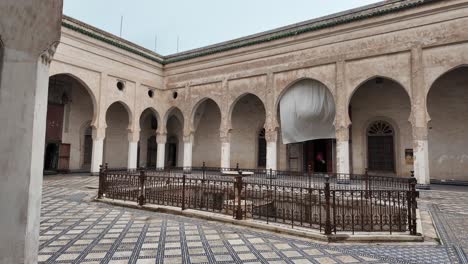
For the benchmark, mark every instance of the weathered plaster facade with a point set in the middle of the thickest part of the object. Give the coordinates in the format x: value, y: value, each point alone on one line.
x: 410, y: 48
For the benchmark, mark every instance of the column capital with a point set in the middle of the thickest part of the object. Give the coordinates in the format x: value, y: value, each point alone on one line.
x: 188, y: 138
x: 161, y: 137
x: 99, y: 133
x: 134, y: 135
x: 48, y: 54
x: 342, y: 133
x: 271, y: 135
x: 225, y: 136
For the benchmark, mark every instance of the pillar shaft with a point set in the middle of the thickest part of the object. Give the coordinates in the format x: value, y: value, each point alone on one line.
x: 225, y: 154
x: 271, y: 137
x: 271, y: 156
x: 342, y: 150
x: 161, y: 156
x: 96, y: 158
x: 132, y: 155
x: 188, y: 143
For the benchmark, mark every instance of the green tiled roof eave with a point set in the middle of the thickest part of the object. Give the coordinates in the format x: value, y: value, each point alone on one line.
x: 274, y: 36
x: 110, y: 42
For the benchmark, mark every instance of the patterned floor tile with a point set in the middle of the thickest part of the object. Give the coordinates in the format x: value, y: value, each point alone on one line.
x: 74, y: 228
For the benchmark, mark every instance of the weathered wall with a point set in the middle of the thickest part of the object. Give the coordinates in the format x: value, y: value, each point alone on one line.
x: 175, y: 129
x: 207, y: 144
x: 248, y: 117
x: 387, y: 101
x: 116, y: 141
x: 448, y: 107
x: 77, y: 117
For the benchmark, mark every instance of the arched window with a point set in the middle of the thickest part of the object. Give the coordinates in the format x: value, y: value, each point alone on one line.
x: 380, y: 147
x: 261, y: 159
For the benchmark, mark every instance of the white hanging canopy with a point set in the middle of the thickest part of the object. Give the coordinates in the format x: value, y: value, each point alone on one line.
x: 307, y: 112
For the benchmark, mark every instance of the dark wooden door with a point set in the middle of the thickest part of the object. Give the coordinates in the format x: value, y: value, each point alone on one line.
x: 64, y: 157
x: 381, y: 153
x: 88, y: 150
x: 54, y: 122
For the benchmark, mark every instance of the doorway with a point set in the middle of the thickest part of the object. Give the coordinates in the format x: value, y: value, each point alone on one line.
x: 318, y: 154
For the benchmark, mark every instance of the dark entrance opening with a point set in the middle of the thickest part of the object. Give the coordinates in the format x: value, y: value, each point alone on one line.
x: 151, y: 152
x: 380, y: 151
x: 172, y: 155
x: 88, y: 148
x: 51, y: 157
x: 318, y: 154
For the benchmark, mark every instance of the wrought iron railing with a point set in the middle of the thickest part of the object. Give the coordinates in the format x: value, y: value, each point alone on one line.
x: 330, y: 203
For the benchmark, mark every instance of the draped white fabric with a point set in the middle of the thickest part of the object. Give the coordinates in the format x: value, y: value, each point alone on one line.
x: 307, y: 112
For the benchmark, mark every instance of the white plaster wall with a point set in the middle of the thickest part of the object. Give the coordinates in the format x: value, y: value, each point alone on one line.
x: 116, y: 141
x: 389, y: 102
x: 207, y: 144
x: 248, y: 117
x: 448, y: 145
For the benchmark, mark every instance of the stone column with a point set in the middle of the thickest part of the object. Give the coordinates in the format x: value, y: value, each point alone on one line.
x: 98, y: 149
x: 225, y: 149
x: 342, y: 150
x: 271, y: 137
x: 419, y: 119
x: 188, y: 143
x: 133, y: 138
x: 29, y: 34
x: 421, y: 157
x: 161, y: 139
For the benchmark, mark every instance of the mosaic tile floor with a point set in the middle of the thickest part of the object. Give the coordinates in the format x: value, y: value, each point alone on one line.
x: 74, y: 229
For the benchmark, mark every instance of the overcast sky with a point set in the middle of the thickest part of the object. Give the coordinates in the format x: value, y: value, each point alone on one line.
x: 197, y: 22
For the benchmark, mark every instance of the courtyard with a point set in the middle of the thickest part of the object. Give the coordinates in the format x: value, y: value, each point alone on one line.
x: 76, y: 229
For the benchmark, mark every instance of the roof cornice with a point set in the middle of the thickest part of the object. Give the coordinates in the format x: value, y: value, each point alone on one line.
x: 353, y: 15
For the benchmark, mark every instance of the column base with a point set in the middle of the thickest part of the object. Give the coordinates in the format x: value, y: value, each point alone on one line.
x: 423, y: 186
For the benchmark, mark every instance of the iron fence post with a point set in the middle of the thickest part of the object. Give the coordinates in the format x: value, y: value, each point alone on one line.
x: 101, y: 176
x: 203, y: 171
x: 271, y: 176
x: 239, y: 193
x: 141, y: 198
x: 309, y: 175
x: 366, y: 180
x: 414, y: 206
x: 183, y: 191
x: 328, y: 228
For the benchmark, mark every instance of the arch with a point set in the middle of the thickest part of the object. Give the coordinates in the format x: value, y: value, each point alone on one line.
x: 126, y: 107
x: 88, y: 90
x: 356, y: 88
x: 380, y: 98
x: 174, y: 110
x: 234, y: 103
x: 291, y: 84
x: 197, y: 106
x: 464, y: 65
x: 446, y: 106
x: 247, y: 116
x: 154, y: 112
x: 328, y: 118
x: 205, y: 126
